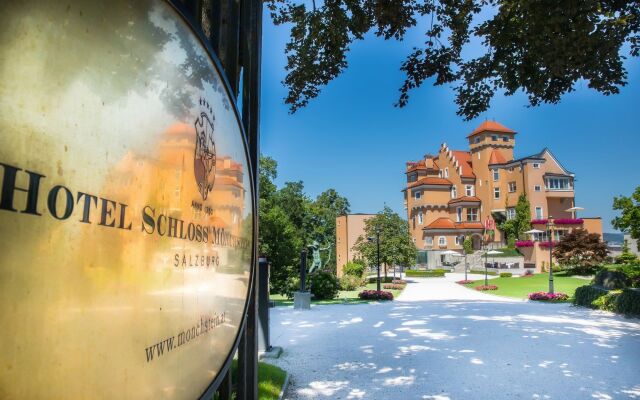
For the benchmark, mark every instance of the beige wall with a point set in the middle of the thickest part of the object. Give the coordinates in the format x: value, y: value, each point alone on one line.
x: 348, y: 229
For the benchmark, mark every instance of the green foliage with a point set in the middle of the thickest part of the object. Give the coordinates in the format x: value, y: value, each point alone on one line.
x: 518, y: 52
x: 383, y: 279
x: 629, y: 219
x: 586, y: 295
x: 511, y: 243
x: 435, y: 273
x: 481, y: 271
x: 628, y: 302
x: 515, y: 228
x: 396, y: 245
x: 608, y: 301
x: 291, y: 285
x: 324, y: 285
x: 627, y: 257
x: 353, y: 269
x: 632, y: 272
x: 611, y: 279
x: 467, y: 245
x: 290, y: 220
x: 580, y: 251
x: 506, y: 274
x: 351, y: 282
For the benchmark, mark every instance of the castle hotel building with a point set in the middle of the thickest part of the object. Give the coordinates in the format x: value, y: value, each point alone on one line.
x: 460, y: 193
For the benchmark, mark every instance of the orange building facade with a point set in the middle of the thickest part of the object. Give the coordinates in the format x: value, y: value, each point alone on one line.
x: 348, y: 229
x: 460, y: 193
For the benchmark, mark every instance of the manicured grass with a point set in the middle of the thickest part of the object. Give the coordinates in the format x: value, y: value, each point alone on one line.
x: 437, y: 273
x: 506, y: 252
x: 521, y: 287
x: 270, y: 380
x: 344, y: 296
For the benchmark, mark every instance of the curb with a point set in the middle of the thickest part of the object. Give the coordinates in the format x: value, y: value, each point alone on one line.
x: 285, y: 386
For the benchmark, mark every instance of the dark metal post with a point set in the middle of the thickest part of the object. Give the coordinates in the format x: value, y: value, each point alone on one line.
x: 486, y: 278
x: 378, y: 246
x: 303, y: 270
x: 550, y: 230
x: 264, y: 343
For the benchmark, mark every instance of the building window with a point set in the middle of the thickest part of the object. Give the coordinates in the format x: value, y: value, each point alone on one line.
x: 446, y: 172
x: 420, y: 217
x: 539, y: 214
x: 417, y: 195
x: 413, y: 177
x: 478, y: 139
x: 536, y: 166
x: 496, y: 175
x: 468, y: 189
x: 511, y: 213
x: 512, y: 187
x: 558, y: 184
x: 505, y: 138
x: 496, y: 193
x: 458, y: 240
x: 459, y: 214
x: 494, y: 138
x: 510, y: 169
x: 472, y: 214
x: 454, y: 192
x: 442, y: 241
x: 537, y: 188
x: 428, y: 241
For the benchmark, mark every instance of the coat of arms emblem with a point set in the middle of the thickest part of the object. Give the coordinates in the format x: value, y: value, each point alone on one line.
x: 204, y: 162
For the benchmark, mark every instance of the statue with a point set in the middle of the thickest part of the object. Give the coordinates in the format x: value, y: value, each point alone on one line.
x: 317, y: 261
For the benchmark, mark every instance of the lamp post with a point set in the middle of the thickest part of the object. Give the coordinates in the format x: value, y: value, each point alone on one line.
x: 377, y: 238
x: 550, y: 230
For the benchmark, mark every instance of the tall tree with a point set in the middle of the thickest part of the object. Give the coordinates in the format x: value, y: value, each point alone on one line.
x: 539, y: 47
x: 324, y: 210
x: 580, y: 250
x: 629, y: 219
x: 516, y: 227
x: 396, y: 245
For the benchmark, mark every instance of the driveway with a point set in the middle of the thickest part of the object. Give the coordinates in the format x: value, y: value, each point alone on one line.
x: 441, y: 341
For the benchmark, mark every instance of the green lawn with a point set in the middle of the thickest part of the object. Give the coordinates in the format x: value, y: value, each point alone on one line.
x: 521, y: 287
x: 270, y: 381
x: 344, y: 296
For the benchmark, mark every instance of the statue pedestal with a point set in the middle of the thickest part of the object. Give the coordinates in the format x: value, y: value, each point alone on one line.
x: 302, y: 300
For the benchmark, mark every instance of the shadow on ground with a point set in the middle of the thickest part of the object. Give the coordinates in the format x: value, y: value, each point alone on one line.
x: 458, y: 349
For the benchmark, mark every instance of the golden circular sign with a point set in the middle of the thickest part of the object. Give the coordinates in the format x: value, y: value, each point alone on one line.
x: 126, y: 208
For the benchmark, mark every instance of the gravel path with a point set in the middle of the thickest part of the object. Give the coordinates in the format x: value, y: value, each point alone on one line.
x: 441, y: 341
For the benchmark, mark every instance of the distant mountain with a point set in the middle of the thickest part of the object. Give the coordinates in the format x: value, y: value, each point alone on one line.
x: 613, y: 237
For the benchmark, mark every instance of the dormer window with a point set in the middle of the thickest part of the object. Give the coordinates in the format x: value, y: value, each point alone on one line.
x: 446, y: 172
x: 494, y: 138
x: 505, y: 138
x: 536, y: 166
x: 477, y: 139
x: 417, y: 195
x: 454, y: 192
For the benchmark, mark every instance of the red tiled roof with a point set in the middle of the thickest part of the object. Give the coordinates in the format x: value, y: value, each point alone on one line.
x: 465, y: 199
x: 446, y: 223
x: 497, y: 157
x: 491, y: 126
x: 431, y: 180
x: 464, y: 159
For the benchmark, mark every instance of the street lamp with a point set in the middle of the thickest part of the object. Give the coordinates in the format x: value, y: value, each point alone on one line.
x: 550, y: 230
x: 377, y: 239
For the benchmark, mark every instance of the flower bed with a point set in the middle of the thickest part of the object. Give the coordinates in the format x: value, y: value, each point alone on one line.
x: 568, y: 221
x: 464, y: 282
x: 393, y: 286
x: 399, y: 282
x: 486, y: 287
x: 524, y: 243
x: 375, y: 295
x: 544, y: 296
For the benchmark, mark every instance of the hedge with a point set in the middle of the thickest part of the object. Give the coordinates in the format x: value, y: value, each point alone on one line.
x: 436, y: 273
x: 628, y: 302
x: 586, y: 295
x: 506, y: 274
x: 388, y: 279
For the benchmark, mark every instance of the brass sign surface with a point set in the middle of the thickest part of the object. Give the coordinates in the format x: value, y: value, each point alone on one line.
x: 126, y: 224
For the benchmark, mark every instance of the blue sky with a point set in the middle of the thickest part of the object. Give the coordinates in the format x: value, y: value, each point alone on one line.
x: 352, y: 139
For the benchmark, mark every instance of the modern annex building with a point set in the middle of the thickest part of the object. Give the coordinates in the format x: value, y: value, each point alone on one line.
x: 458, y: 193
x: 348, y: 229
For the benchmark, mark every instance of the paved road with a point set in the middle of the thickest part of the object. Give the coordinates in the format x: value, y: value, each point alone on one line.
x: 441, y: 341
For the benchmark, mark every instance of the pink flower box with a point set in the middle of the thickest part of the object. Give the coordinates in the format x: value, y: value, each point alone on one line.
x: 524, y: 243
x: 568, y: 221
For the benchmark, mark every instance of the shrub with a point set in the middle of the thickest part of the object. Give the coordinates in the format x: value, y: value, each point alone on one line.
x: 324, y: 285
x: 611, y: 279
x: 511, y: 243
x: 393, y: 286
x: 388, y: 279
x: 375, y: 295
x: 608, y: 301
x: 506, y: 274
x: 632, y: 272
x: 292, y: 284
x: 527, y: 273
x: 353, y: 269
x: 351, y: 282
x: 586, y: 295
x: 399, y: 281
x: 583, y: 270
x: 486, y: 287
x: 628, y: 302
x: 425, y: 274
x: 544, y: 296
x: 465, y: 282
